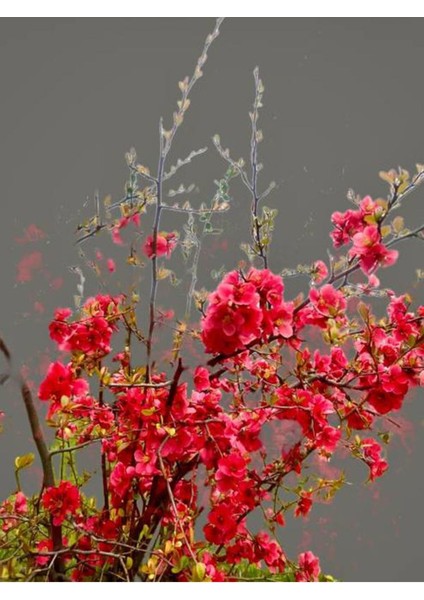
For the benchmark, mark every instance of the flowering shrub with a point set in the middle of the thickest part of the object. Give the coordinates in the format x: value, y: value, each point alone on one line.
x: 183, y: 456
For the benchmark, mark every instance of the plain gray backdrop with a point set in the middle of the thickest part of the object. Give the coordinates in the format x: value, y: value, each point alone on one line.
x: 344, y: 99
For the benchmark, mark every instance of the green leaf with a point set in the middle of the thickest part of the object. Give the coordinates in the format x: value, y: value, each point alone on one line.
x: 181, y: 565
x: 198, y: 572
x: 22, y: 462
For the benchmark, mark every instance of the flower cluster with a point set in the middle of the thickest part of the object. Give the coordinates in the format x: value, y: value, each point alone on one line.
x: 244, y: 309
x: 91, y: 335
x: 362, y: 228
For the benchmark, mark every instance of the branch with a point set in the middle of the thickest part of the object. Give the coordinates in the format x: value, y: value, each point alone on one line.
x: 42, y: 449
x: 183, y: 162
x: 254, y: 142
x: 174, y: 508
x: 165, y: 140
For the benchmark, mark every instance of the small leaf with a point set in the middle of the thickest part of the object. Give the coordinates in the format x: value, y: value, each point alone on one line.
x: 398, y: 224
x: 143, y: 170
x: 388, y: 176
x: 22, y: 462
x: 163, y: 273
x: 364, y: 311
x: 198, y: 572
x: 183, y: 84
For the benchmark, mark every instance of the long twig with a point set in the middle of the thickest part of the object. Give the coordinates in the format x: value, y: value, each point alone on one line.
x: 165, y: 140
x: 259, y: 247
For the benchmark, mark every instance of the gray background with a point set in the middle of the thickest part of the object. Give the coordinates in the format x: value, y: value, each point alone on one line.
x: 343, y: 99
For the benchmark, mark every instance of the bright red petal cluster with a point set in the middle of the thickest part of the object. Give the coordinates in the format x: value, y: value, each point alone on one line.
x: 62, y: 501
x: 244, y: 309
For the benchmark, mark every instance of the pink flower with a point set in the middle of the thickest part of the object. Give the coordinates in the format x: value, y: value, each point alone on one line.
x: 347, y: 224
x: 270, y: 552
x: 372, y: 456
x: 111, y: 265
x: 319, y: 271
x: 227, y: 328
x: 328, y: 301
x: 122, y: 223
x: 165, y: 244
x: 269, y: 286
x: 282, y: 318
x: 328, y: 438
x: 21, y: 504
x: 245, y: 308
x: 309, y: 567
x: 371, y: 252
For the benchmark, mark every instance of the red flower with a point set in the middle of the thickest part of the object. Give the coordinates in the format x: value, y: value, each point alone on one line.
x: 309, y: 567
x: 269, y: 551
x: 60, y: 382
x: 372, y: 456
x: 319, y: 271
x: 201, y: 379
x: 231, y: 470
x: 328, y: 301
x: 165, y: 244
x: 222, y: 525
x: 371, y: 252
x: 120, y: 479
x: 61, y: 501
x: 304, y: 505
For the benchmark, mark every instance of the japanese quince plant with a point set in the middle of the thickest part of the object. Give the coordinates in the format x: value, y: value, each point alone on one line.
x: 191, y: 442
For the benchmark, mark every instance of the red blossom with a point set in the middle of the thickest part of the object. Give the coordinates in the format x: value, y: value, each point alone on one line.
x: 372, y: 456
x: 309, y: 567
x: 371, y: 252
x: 270, y: 552
x: 61, y: 501
x: 165, y: 244
x: 304, y: 505
x: 319, y: 272
x: 60, y: 381
x: 328, y: 301
x: 222, y: 525
x: 231, y: 469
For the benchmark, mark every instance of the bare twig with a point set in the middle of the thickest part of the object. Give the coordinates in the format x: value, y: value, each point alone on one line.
x: 165, y: 140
